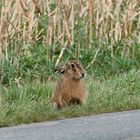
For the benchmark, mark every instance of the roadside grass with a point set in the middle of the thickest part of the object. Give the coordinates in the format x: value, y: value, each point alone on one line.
x: 31, y: 102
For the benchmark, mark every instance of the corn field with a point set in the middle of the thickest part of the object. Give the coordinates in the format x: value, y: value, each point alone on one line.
x: 68, y: 23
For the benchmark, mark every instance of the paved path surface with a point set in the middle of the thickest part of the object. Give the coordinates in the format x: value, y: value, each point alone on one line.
x: 112, y: 126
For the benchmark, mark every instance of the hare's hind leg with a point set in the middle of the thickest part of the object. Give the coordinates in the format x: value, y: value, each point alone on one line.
x: 55, y: 105
x: 58, y: 104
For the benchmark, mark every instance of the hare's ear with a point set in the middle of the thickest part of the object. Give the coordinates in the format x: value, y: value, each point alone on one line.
x: 60, y: 69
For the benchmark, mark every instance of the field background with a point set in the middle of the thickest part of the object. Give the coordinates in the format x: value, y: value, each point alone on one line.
x: 37, y: 35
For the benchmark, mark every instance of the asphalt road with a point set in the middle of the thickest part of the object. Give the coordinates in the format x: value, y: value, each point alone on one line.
x: 112, y: 126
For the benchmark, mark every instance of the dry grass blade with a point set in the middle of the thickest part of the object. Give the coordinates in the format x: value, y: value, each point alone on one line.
x: 61, y: 53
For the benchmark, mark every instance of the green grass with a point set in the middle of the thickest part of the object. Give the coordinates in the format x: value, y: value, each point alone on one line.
x: 31, y: 102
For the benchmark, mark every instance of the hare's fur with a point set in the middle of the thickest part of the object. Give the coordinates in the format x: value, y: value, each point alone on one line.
x: 70, y: 88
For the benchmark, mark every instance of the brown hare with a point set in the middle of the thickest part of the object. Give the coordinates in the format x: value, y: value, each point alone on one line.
x: 70, y: 88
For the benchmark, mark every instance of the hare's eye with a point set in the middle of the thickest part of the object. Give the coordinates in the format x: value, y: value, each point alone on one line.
x: 72, y: 65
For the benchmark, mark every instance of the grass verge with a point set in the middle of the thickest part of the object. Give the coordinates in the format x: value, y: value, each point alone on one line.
x: 31, y: 102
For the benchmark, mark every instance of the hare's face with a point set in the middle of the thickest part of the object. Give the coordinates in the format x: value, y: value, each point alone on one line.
x: 75, y: 70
